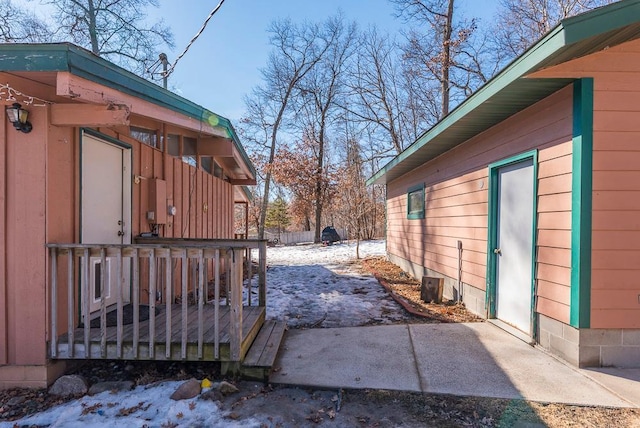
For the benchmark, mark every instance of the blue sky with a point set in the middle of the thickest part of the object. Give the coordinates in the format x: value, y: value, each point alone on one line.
x: 223, y: 64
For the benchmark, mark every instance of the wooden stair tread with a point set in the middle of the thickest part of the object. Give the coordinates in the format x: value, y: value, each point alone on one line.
x: 265, y: 347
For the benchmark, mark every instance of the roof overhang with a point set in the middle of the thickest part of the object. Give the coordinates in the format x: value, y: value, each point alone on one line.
x: 61, y: 64
x: 511, y: 91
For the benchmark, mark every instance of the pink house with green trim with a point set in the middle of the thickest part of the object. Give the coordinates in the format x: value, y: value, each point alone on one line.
x: 525, y: 199
x: 117, y: 223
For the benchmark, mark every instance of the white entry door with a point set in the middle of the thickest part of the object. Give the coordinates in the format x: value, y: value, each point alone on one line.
x: 514, y: 249
x: 105, y: 211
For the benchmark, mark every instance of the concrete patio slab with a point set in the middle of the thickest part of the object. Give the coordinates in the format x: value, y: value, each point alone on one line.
x: 473, y: 359
x: 353, y: 357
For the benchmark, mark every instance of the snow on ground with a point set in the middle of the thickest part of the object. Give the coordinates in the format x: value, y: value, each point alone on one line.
x: 318, y: 286
x: 144, y: 406
x: 307, y: 285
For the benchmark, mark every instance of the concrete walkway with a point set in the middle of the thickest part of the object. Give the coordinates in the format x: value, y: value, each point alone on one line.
x: 472, y: 359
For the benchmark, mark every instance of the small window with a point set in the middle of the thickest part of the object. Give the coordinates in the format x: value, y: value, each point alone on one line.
x: 415, y: 202
x: 173, y: 141
x: 217, y: 170
x: 207, y: 164
x: 189, y: 151
x: 145, y: 136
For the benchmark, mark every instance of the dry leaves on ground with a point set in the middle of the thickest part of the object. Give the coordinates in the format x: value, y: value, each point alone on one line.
x: 406, y: 290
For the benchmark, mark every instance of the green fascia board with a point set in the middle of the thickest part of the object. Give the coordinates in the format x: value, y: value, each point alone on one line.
x: 552, y: 49
x: 581, y: 203
x: 80, y: 62
x: 601, y: 20
x: 247, y: 192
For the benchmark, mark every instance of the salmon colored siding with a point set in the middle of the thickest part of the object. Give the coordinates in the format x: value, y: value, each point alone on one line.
x: 187, y: 188
x: 615, y: 257
x: 616, y: 191
x: 456, y: 203
x: 23, y: 236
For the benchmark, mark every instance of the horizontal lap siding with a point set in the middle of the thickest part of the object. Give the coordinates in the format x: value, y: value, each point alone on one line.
x: 457, y: 205
x: 615, y: 267
x: 553, y: 268
x: 616, y: 191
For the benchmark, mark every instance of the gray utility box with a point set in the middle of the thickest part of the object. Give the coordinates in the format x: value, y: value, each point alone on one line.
x: 431, y: 290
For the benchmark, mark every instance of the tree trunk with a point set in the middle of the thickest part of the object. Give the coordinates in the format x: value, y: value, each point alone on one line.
x: 446, y: 59
x: 93, y: 33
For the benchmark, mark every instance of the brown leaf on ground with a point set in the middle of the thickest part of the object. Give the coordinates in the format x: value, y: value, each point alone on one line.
x: 406, y: 290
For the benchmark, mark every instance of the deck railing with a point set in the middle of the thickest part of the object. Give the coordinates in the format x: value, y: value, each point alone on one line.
x: 157, y: 272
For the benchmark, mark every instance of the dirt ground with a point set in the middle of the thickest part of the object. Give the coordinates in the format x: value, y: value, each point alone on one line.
x: 280, y: 406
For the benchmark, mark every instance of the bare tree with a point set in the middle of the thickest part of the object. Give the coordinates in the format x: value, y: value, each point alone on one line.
x: 440, y: 50
x: 519, y: 23
x: 320, y: 91
x: 113, y: 29
x: 18, y: 25
x: 296, y: 50
x: 379, y: 99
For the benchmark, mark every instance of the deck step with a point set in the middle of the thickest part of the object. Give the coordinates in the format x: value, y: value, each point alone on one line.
x: 261, y: 357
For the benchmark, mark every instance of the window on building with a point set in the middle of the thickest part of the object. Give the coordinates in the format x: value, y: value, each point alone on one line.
x: 145, y: 136
x: 173, y: 147
x: 207, y: 164
x: 415, y: 202
x: 189, y: 151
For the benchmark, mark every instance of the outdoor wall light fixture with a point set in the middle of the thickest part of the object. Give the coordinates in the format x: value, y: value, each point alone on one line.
x: 18, y: 118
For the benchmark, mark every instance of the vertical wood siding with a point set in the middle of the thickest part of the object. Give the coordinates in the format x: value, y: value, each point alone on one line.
x: 23, y: 300
x: 188, y: 189
x: 456, y: 201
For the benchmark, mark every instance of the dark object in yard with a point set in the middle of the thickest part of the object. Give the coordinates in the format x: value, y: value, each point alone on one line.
x: 127, y: 316
x: 431, y: 290
x: 329, y: 235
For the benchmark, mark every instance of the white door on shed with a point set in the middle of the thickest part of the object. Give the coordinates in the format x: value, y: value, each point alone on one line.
x: 514, y: 247
x: 105, y: 211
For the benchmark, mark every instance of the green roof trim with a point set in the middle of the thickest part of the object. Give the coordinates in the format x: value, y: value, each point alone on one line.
x: 80, y: 62
x: 510, y: 91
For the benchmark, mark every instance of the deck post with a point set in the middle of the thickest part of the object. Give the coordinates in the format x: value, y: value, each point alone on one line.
x: 84, y: 296
x: 216, y: 307
x: 70, y: 290
x: 249, y: 274
x: 103, y: 303
x: 200, y: 295
x: 185, y: 302
x: 119, y: 305
x: 54, y: 302
x: 136, y: 302
x: 152, y: 304
x: 262, y: 273
x: 168, y: 300
x: 235, y: 283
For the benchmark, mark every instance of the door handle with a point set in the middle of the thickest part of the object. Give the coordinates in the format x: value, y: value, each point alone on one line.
x: 497, y: 251
x: 120, y: 233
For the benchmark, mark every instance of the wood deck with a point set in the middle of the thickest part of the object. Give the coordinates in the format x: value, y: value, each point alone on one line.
x: 252, y: 320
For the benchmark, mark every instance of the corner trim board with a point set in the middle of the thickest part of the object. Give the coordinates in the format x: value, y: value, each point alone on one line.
x: 581, y: 203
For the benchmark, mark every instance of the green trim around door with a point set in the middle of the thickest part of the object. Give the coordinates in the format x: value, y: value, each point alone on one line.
x: 581, y: 203
x: 492, y: 232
